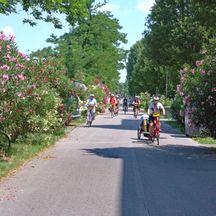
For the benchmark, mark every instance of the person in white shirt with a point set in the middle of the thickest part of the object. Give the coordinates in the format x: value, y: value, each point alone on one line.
x: 154, y: 106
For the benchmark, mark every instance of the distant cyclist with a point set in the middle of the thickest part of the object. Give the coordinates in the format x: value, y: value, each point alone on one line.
x: 136, y: 106
x: 112, y: 102
x: 91, y: 105
x: 125, y: 104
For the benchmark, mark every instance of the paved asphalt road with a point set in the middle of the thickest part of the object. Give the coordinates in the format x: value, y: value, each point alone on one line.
x: 105, y: 171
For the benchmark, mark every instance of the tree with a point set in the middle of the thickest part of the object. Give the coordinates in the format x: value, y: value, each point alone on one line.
x: 74, y: 10
x: 177, y: 31
x: 92, y: 49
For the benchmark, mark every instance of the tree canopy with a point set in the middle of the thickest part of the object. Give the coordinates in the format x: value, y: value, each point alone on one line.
x: 176, y: 32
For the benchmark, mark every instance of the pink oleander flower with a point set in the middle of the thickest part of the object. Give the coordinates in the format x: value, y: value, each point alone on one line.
x: 2, y: 118
x: 3, y: 37
x: 213, y: 90
x: 181, y: 94
x: 30, y: 110
x: 178, y: 88
x: 19, y: 94
x: 19, y: 66
x: 190, y: 123
x: 21, y: 77
x: 198, y: 63
x: 202, y: 72
x: 193, y: 71
x: 22, y: 55
x: 13, y: 59
x: 5, y: 67
x: 8, y: 57
x: 210, y: 97
x: 5, y: 77
x: 12, y: 38
x: 7, y: 46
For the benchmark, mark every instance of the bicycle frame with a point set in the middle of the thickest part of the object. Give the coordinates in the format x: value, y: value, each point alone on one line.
x: 89, y: 117
x: 136, y: 110
x: 156, y: 129
x: 112, y: 109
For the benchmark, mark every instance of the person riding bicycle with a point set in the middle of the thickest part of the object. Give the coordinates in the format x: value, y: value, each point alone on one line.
x: 125, y: 103
x: 136, y: 103
x: 154, y: 106
x: 91, y: 105
x: 112, y: 102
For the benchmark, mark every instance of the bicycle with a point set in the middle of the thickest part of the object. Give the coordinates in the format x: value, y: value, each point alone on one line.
x: 5, y: 142
x: 136, y: 110
x: 112, y: 110
x: 125, y: 108
x: 156, y: 127
x: 90, y: 116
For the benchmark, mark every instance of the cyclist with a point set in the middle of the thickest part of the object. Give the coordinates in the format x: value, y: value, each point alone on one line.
x: 112, y: 102
x: 136, y: 103
x: 91, y: 105
x: 125, y: 104
x: 154, y: 106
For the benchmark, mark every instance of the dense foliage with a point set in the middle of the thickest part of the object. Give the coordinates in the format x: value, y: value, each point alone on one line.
x: 198, y: 90
x: 177, y: 31
x: 31, y: 91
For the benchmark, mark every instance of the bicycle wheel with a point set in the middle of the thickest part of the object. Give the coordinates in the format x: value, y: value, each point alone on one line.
x: 157, y: 138
x: 5, y: 142
x: 138, y: 134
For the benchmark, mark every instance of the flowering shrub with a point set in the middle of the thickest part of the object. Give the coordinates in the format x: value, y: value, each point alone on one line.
x: 30, y: 92
x: 198, y: 90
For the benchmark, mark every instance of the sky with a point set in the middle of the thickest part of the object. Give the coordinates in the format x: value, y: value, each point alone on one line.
x: 130, y: 13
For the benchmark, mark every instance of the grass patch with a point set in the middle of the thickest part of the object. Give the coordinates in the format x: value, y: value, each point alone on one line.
x: 201, y: 140
x: 176, y: 125
x: 78, y: 121
x: 205, y: 140
x: 30, y: 145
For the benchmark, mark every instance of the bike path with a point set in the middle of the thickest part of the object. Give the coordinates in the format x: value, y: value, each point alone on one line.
x: 105, y: 171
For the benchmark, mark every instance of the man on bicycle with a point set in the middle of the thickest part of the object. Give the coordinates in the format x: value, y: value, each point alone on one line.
x: 125, y: 104
x: 112, y: 101
x: 154, y: 106
x: 91, y: 105
x: 136, y: 103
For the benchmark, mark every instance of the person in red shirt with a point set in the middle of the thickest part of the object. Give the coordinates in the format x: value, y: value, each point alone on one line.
x: 112, y: 102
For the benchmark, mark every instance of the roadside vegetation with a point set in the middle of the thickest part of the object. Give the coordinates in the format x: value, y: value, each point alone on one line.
x: 41, y: 92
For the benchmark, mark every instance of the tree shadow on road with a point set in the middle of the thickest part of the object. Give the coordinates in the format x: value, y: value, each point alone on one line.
x: 126, y: 124
x: 165, y: 180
